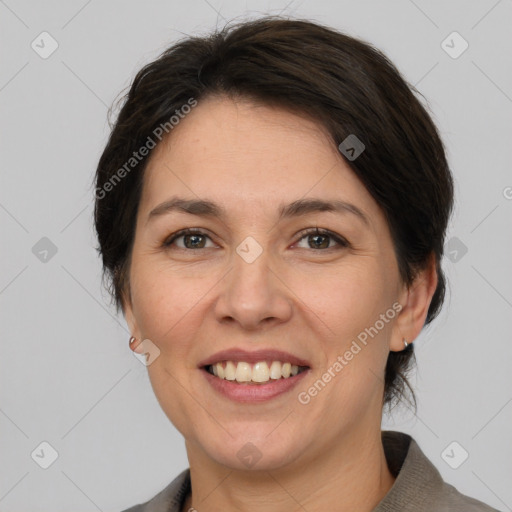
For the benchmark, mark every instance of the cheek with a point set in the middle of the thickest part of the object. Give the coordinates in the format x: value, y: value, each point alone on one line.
x: 169, y: 312
x: 348, y: 299
x: 168, y: 308
x: 355, y: 355
x: 351, y: 334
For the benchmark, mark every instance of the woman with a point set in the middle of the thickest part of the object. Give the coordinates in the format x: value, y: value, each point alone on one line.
x: 271, y: 209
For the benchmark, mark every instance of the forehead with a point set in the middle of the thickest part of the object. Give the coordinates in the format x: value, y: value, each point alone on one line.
x: 241, y: 154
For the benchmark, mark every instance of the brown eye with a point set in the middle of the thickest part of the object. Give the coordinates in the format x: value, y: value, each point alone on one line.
x: 192, y: 239
x: 321, y: 239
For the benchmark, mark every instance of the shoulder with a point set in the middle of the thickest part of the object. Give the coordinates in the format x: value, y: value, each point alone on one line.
x: 419, y: 486
x: 451, y: 500
x: 169, y: 499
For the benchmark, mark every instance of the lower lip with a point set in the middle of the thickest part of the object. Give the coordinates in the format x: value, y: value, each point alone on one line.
x: 250, y: 393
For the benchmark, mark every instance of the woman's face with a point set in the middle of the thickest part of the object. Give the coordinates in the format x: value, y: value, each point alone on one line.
x: 254, y: 279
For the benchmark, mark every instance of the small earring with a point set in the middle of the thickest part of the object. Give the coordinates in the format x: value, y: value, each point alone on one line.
x: 132, y: 340
x: 405, y: 343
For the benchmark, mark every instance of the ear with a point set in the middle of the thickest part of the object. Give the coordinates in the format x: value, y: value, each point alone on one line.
x: 415, y: 300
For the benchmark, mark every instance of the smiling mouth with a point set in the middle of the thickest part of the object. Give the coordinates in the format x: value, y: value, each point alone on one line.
x: 261, y: 372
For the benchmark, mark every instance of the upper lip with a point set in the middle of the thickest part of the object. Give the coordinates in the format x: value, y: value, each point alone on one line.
x: 238, y: 354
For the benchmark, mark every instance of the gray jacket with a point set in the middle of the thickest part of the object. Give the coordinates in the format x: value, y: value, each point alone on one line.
x: 418, y: 486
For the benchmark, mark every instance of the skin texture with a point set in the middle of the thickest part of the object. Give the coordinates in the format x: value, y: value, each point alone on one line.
x: 312, y: 302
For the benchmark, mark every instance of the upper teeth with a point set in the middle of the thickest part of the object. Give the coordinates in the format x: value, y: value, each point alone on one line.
x: 259, y: 372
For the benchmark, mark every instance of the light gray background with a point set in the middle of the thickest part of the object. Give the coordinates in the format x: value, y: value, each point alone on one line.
x: 67, y: 375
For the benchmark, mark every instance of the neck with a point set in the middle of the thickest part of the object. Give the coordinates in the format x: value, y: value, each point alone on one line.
x: 354, y: 475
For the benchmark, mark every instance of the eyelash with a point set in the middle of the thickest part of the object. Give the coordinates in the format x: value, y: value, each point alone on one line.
x: 303, y: 234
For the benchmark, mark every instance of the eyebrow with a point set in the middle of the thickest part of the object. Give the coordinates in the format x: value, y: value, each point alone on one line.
x: 205, y: 208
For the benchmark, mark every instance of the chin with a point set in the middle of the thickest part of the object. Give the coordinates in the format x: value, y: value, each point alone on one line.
x: 258, y: 452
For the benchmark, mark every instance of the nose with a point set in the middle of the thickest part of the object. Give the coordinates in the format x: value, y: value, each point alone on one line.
x: 253, y: 295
